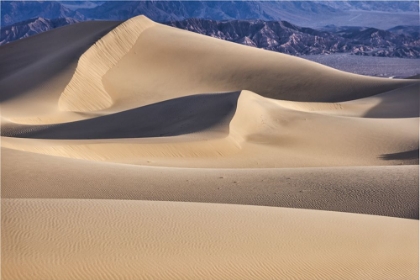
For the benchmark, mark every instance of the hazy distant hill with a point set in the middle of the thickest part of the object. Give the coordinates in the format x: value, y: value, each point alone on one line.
x: 384, y: 6
x: 413, y: 31
x: 215, y: 10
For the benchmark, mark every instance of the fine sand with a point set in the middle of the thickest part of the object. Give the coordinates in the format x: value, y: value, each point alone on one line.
x: 118, y: 159
x: 121, y: 239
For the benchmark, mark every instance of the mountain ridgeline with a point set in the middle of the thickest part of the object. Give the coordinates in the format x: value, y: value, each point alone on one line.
x: 378, y: 14
x: 282, y: 36
x: 279, y: 36
x: 31, y: 27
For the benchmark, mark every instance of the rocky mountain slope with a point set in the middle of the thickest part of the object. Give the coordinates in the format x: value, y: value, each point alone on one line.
x: 279, y: 36
x: 282, y: 36
x: 18, y: 11
x: 31, y: 27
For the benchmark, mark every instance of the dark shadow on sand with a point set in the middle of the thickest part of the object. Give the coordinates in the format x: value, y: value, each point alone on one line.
x: 408, y: 155
x: 400, y: 103
x: 50, y: 51
x: 167, y: 118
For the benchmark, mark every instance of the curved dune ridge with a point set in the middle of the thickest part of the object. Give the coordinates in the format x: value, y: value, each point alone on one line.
x: 96, y: 62
x: 119, y: 149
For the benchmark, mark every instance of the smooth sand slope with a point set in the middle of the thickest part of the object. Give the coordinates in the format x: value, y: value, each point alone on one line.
x: 107, y: 149
x: 387, y: 190
x: 110, y: 239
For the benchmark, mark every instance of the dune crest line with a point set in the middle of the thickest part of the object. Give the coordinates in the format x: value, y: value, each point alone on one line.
x: 87, y: 79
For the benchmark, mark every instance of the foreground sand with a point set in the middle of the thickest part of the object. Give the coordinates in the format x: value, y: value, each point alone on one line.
x: 119, y: 168
x: 112, y: 239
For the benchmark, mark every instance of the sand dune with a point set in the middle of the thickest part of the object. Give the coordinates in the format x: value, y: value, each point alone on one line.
x: 152, y: 71
x: 389, y: 190
x: 398, y: 103
x: 167, y: 118
x: 261, y: 133
x: 96, y: 62
x: 111, y: 239
x: 145, y: 74
x: 113, y: 153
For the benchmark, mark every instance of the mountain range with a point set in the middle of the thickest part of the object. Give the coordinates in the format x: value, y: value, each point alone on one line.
x: 18, y: 11
x: 282, y: 36
x: 279, y: 36
x: 31, y: 27
x: 382, y: 15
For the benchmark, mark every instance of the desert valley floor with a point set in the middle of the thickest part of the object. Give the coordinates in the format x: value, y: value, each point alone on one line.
x: 140, y: 151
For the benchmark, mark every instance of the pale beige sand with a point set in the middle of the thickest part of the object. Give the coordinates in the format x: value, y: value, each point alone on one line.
x: 389, y: 190
x: 175, y: 116
x: 110, y: 239
x: 261, y: 133
x: 399, y: 103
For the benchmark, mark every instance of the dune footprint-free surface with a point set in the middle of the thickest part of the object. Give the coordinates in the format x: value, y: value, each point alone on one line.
x: 123, y: 143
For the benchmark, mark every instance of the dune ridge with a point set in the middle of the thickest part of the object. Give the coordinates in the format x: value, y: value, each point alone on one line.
x: 223, y: 130
x: 95, y: 62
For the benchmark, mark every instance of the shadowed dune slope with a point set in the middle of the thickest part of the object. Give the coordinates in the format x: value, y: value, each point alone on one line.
x: 37, y: 69
x: 168, y: 118
x: 31, y: 61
